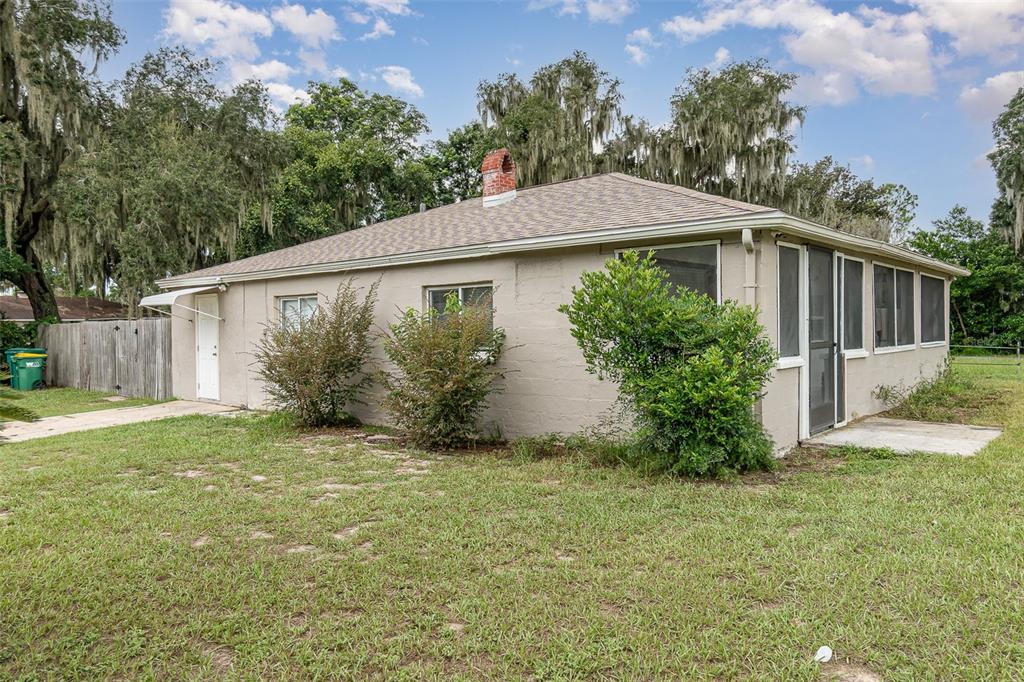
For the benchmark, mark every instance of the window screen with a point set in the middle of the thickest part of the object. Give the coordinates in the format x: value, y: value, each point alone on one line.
x: 853, y: 304
x: 789, y: 302
x: 480, y: 295
x: 885, y: 307
x: 933, y: 309
x: 694, y: 267
x: 298, y: 309
x: 904, y: 308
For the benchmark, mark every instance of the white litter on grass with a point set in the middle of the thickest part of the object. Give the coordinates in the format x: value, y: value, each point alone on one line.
x: 823, y: 655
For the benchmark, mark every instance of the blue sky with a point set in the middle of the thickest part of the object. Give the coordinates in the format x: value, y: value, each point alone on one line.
x: 902, y: 92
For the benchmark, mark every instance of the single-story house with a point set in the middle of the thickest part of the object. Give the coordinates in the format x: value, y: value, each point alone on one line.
x: 72, y: 309
x: 847, y: 313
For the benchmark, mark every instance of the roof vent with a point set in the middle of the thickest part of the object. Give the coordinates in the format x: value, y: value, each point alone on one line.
x: 499, y: 174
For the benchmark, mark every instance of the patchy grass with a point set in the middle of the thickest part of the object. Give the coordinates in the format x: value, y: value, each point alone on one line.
x: 50, y: 402
x: 209, y: 547
x: 965, y: 393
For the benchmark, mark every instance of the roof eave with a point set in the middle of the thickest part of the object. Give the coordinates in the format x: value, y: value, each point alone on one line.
x: 760, y: 220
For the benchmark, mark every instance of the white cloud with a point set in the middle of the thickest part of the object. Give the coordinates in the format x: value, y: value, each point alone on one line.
x: 609, y: 11
x: 357, y: 17
x: 396, y: 7
x: 312, y: 29
x: 868, y: 48
x: 719, y: 60
x: 286, y: 94
x: 637, y: 54
x: 641, y: 36
x: 272, y: 70
x: 420, y: 41
x: 400, y: 80
x: 865, y: 161
x: 986, y: 101
x: 381, y: 28
x: 225, y: 29
x: 570, y: 7
x: 992, y: 28
x: 880, y: 52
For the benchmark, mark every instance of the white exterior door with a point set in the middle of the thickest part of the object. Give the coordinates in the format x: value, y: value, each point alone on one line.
x: 207, y: 342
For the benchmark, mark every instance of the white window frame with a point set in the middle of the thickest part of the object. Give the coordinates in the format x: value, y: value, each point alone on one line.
x: 945, y: 312
x: 457, y: 287
x: 298, y: 300
x: 898, y: 348
x: 790, y: 361
x: 682, y: 245
x: 862, y: 352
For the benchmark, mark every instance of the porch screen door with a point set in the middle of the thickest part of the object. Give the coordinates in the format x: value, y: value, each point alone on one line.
x: 821, y: 338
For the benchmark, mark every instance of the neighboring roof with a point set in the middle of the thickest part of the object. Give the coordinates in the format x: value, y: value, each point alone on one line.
x: 18, y: 309
x: 606, y: 206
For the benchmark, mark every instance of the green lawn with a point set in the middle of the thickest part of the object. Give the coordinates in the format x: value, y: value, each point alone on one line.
x: 209, y: 547
x: 50, y: 402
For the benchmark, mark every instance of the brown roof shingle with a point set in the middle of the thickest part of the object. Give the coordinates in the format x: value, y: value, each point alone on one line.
x: 18, y: 309
x: 597, y: 202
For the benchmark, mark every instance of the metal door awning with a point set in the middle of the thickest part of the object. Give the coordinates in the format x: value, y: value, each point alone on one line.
x: 170, y: 298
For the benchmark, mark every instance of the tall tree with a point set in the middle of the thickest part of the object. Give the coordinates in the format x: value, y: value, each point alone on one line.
x: 354, y: 161
x: 833, y: 195
x: 730, y: 133
x: 1008, y: 162
x: 455, y: 162
x: 556, y: 125
x: 48, y: 113
x: 167, y: 186
x: 988, y: 305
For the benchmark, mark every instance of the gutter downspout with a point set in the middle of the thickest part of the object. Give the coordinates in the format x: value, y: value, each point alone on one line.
x: 749, y: 268
x: 750, y: 254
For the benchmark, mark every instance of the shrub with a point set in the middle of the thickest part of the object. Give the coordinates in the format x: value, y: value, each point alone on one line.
x: 689, y: 369
x: 317, y: 368
x: 445, y: 366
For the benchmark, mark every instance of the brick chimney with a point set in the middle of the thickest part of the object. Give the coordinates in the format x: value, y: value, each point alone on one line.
x: 499, y: 171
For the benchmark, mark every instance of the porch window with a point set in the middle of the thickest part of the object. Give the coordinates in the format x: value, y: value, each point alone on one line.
x: 853, y: 304
x: 933, y: 309
x: 296, y: 310
x: 894, y: 307
x: 469, y: 295
x: 789, y: 301
x: 694, y: 266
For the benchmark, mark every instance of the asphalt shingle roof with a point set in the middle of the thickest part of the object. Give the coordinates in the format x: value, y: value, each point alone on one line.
x: 610, y: 200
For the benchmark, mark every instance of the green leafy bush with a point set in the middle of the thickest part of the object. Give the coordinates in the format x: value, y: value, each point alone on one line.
x: 445, y: 366
x: 689, y: 369
x: 317, y: 368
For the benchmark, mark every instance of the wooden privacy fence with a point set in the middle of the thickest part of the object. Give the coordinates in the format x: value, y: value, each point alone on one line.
x: 128, y: 357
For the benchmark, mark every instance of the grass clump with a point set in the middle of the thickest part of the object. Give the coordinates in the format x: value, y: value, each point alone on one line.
x: 952, y: 396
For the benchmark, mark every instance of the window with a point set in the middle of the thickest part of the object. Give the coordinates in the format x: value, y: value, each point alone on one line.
x: 789, y: 301
x: 894, y: 307
x: 474, y: 295
x: 296, y: 310
x: 933, y: 309
x: 853, y: 304
x: 692, y: 266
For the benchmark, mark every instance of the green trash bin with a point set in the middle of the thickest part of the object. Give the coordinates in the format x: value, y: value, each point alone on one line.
x: 9, y: 359
x: 27, y: 372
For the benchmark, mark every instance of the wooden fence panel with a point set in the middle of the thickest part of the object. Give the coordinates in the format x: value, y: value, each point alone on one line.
x: 128, y: 357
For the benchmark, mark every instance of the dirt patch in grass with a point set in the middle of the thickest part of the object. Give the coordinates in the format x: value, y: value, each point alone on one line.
x: 222, y: 657
x: 848, y: 672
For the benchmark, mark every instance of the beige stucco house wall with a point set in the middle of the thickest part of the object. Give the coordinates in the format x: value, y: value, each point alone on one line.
x: 547, y: 388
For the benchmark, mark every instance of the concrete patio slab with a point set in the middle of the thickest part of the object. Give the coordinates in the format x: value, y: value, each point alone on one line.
x: 902, y: 435
x: 100, y: 419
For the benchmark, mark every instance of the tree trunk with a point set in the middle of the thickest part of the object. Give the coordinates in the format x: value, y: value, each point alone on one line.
x: 37, y: 288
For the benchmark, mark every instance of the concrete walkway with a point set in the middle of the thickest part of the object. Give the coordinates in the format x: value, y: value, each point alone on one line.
x: 100, y: 419
x: 910, y: 436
